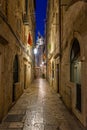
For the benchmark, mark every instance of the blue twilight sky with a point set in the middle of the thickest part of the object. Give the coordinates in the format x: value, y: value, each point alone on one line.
x: 41, y: 6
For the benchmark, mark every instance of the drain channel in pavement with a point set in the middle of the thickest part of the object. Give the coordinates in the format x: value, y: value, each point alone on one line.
x: 12, y: 129
x: 14, y: 118
x: 46, y: 126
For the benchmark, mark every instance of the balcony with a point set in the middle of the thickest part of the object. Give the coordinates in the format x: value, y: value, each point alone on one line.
x: 26, y: 19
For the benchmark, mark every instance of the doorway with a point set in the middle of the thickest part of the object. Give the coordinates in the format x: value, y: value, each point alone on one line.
x: 57, y: 66
x: 25, y: 70
x: 15, y: 76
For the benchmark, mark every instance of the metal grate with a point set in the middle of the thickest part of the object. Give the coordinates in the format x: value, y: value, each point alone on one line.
x: 51, y: 127
x: 14, y: 118
x: 12, y: 129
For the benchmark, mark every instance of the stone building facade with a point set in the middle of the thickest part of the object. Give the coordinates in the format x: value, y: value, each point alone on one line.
x: 71, y: 57
x: 17, y: 24
x: 52, y: 39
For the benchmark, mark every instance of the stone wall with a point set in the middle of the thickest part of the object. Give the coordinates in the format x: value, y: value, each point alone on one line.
x: 73, y: 23
x: 12, y: 45
x: 74, y: 26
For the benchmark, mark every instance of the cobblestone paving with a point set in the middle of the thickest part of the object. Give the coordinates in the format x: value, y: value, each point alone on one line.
x: 40, y: 109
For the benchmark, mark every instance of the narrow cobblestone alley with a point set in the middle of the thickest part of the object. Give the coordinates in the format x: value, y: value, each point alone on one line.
x: 40, y: 109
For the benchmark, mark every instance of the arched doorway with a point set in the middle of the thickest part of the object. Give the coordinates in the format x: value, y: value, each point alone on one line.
x: 15, y: 76
x: 75, y: 71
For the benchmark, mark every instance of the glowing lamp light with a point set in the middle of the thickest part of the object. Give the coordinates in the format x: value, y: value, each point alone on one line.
x: 35, y: 51
x: 42, y: 63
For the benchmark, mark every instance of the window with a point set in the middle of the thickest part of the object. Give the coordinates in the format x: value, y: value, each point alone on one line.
x: 19, y: 25
x: 6, y: 7
x: 26, y: 7
x: 75, y: 71
x: 18, y: 3
x: 57, y: 22
x: 75, y: 68
x: 0, y: 3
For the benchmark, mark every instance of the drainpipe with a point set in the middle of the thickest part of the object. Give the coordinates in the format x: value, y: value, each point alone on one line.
x: 60, y: 28
x: 60, y: 46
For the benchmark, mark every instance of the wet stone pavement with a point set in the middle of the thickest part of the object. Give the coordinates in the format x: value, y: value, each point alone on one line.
x: 40, y: 109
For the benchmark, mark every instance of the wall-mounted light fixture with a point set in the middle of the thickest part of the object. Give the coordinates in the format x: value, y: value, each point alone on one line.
x: 35, y: 51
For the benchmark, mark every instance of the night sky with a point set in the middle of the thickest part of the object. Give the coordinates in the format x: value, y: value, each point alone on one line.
x: 41, y: 6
